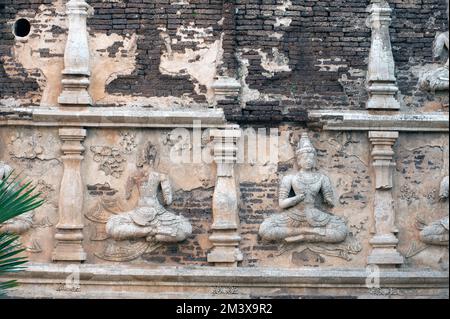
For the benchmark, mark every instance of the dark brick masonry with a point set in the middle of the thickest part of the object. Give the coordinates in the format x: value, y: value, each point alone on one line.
x: 414, y: 28
x: 144, y: 17
x: 101, y: 190
x: 327, y: 44
x: 10, y: 87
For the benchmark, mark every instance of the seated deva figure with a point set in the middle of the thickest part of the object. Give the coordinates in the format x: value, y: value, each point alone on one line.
x: 438, y: 80
x: 301, y: 220
x: 150, y: 220
x: 20, y: 224
x: 437, y: 232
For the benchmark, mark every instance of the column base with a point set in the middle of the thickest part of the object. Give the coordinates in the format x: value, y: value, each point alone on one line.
x: 225, y: 256
x: 385, y: 258
x: 75, y: 98
x: 72, y: 252
x: 383, y: 102
x: 385, y: 251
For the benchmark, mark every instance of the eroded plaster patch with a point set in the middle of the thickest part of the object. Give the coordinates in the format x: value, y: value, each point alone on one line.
x: 42, y: 55
x: 200, y: 63
x: 272, y: 63
x: 283, y: 22
x: 247, y: 94
x: 330, y: 65
x: 276, y: 35
x: 179, y: 2
x: 284, y: 5
x: 107, y: 66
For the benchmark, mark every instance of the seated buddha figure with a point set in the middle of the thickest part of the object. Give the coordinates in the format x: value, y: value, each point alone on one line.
x: 150, y: 220
x: 437, y: 232
x: 20, y: 224
x: 301, y: 220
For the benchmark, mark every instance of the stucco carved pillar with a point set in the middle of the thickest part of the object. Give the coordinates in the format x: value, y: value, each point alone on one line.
x: 381, y: 79
x: 76, y: 71
x: 225, y: 237
x: 384, y: 242
x: 69, y: 230
x: 227, y: 84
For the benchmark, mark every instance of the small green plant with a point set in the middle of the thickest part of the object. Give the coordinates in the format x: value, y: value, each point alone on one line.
x: 16, y: 197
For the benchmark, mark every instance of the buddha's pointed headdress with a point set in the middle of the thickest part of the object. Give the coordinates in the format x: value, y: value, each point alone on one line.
x: 5, y: 170
x: 305, y: 145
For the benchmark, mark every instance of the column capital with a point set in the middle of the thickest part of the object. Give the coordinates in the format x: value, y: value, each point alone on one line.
x: 68, y: 134
x: 225, y: 144
x: 382, y: 155
x: 383, y: 135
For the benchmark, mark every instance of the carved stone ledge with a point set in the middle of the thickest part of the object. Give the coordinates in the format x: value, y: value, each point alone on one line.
x: 107, y: 281
x: 102, y: 117
x: 368, y: 121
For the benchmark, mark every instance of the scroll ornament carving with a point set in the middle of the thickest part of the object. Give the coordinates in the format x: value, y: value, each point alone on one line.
x: 110, y: 159
x: 128, y: 142
x: 301, y: 221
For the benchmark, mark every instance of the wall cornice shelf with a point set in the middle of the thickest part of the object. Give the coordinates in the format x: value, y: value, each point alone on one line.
x: 336, y: 120
x: 111, y: 118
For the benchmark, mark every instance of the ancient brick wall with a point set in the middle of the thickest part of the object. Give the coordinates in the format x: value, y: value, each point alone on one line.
x: 21, y: 84
x: 414, y: 28
x: 301, y: 66
x: 290, y: 56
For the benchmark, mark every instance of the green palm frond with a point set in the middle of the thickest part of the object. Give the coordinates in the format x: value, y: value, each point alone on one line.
x: 16, y: 197
x: 9, y: 261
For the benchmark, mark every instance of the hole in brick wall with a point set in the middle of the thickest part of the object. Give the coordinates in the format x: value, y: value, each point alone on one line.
x: 22, y: 28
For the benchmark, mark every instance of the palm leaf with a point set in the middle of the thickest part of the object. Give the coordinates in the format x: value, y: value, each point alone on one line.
x: 16, y: 197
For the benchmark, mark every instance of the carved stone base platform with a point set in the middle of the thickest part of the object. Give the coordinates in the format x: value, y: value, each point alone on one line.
x: 49, y: 281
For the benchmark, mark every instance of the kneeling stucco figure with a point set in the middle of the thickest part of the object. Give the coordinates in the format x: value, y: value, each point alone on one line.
x: 437, y: 232
x: 20, y: 224
x: 150, y: 220
x: 301, y: 220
